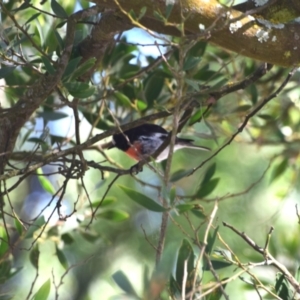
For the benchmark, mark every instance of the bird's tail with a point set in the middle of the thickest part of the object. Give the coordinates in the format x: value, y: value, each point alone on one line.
x: 188, y: 143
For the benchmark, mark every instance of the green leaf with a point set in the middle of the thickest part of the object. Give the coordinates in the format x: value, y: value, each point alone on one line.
x: 184, y: 207
x: 71, y: 67
x: 217, y: 265
x: 58, y: 10
x: 279, y: 281
x: 198, y: 213
x: 24, y: 5
x: 205, y: 74
x: 62, y: 258
x: 43, y: 292
x: 241, y: 108
x: 153, y: 86
x: 219, y: 84
x: 266, y: 117
x: 217, y: 293
x: 90, y: 236
x: 48, y: 66
x: 141, y: 105
x: 61, y: 24
x: 122, y: 281
x: 53, y: 231
x: 158, y: 16
x: 18, y: 226
x: 143, y: 200
x: 211, y: 241
x: 142, y: 12
x: 57, y: 139
x: 3, y: 241
x: 36, y: 140
x: 193, y: 83
x: 198, y: 50
x: 107, y: 201
x: 180, y: 174
x: 102, y: 124
x: 185, y: 262
x: 67, y: 238
x: 34, y: 256
x: 7, y: 272
x: 60, y: 41
x: 45, y: 182
x: 279, y: 169
x: 51, y: 115
x: 172, y: 195
x: 37, y: 224
x: 75, y: 86
x: 85, y: 93
x: 175, y: 288
x: 5, y: 71
x: 169, y: 8
x: 191, y: 62
x: 146, y: 277
x: 34, y: 16
x: 132, y: 14
x: 42, y: 143
x: 297, y: 274
x: 197, y: 116
x: 123, y: 99
x: 283, y: 288
x: 209, y: 173
x: 83, y: 68
x: 114, y: 215
x: 79, y: 89
x: 222, y: 253
x: 252, y: 90
x: 207, y: 188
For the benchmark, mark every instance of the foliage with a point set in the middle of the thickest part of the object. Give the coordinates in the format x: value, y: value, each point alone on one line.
x: 75, y: 220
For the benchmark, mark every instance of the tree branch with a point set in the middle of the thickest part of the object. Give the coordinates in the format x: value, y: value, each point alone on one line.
x: 270, y: 259
x: 12, y: 120
x: 102, y: 36
x: 265, y: 41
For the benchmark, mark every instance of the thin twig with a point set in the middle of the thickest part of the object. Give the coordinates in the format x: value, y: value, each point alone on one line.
x: 147, y: 239
x: 101, y: 201
x: 252, y: 113
x: 269, y: 258
x: 216, y: 276
x: 203, y: 247
x: 162, y: 237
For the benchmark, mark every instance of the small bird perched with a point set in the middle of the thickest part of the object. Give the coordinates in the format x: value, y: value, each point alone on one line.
x: 142, y: 142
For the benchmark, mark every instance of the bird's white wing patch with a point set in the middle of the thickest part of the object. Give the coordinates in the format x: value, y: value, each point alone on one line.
x: 159, y: 135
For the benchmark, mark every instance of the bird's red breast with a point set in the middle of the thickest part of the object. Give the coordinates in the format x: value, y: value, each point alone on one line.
x: 134, y: 151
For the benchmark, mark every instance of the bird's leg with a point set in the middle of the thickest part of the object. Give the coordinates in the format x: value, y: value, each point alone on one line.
x: 137, y: 168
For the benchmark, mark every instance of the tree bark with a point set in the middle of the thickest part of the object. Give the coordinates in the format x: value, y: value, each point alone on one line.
x: 257, y: 38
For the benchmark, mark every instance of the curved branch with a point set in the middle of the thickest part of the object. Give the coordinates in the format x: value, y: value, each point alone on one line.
x: 259, y: 39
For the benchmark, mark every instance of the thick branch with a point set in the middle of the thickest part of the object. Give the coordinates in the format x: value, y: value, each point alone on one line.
x: 102, y: 37
x: 262, y: 40
x: 12, y: 120
x: 279, y: 11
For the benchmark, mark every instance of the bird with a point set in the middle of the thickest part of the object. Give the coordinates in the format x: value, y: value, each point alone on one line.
x: 142, y: 141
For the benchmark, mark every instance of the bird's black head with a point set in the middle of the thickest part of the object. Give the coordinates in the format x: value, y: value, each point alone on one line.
x: 135, y: 134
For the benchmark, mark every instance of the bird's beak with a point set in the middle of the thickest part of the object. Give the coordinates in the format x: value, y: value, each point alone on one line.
x: 108, y: 145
